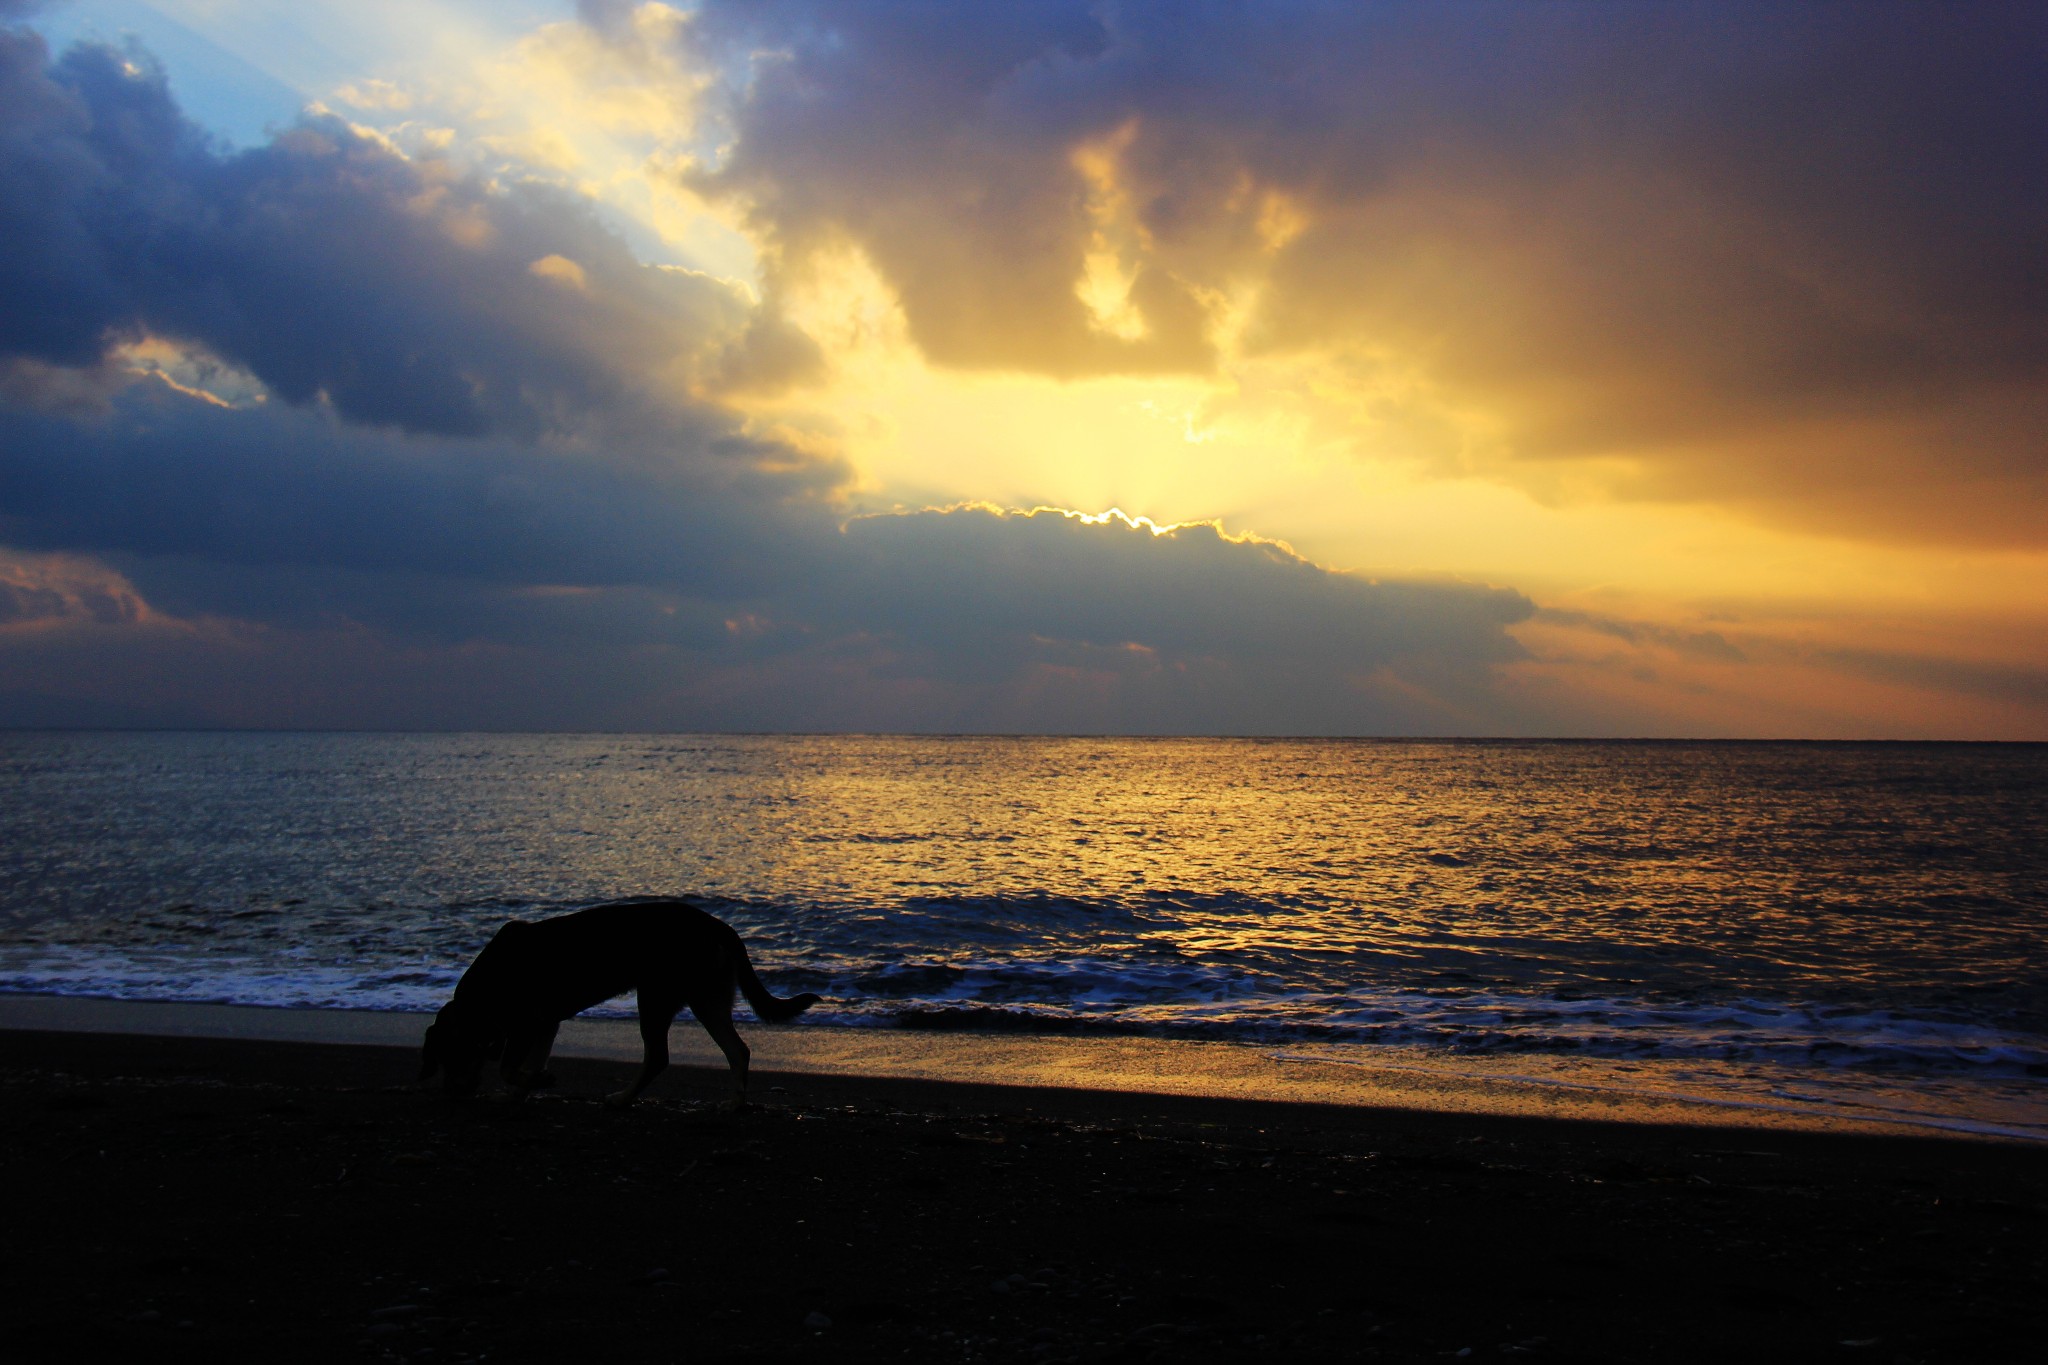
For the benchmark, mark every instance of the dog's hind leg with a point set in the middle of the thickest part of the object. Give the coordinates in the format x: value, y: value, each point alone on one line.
x: 715, y: 1014
x: 655, y: 1017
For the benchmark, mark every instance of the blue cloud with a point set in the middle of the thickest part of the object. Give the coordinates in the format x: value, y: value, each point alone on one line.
x: 400, y: 292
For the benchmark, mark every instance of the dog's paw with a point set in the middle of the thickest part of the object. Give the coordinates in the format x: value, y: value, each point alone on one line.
x: 620, y: 1099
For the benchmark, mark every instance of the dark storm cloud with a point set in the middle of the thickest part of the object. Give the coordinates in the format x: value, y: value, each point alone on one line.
x: 1045, y: 621
x: 302, y: 596
x: 403, y: 292
x: 974, y: 585
x: 165, y: 474
x: 1794, y: 257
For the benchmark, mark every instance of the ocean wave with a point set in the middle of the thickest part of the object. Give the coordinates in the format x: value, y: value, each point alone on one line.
x: 1167, y: 998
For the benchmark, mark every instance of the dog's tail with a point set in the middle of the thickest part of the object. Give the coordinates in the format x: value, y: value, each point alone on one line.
x: 770, y: 1008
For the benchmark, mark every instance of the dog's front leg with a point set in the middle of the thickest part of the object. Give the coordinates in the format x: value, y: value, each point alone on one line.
x: 654, y: 1024
x: 526, y: 1057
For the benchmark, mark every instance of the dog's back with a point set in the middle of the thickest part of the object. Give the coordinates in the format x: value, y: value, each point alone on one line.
x: 564, y: 965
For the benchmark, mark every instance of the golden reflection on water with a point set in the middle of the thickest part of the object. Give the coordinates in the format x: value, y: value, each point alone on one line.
x: 1389, y: 847
x: 1794, y: 872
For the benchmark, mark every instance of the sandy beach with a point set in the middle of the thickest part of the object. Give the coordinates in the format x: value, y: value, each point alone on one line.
x: 207, y: 1197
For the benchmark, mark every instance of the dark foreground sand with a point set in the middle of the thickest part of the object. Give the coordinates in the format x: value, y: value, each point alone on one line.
x: 184, y: 1198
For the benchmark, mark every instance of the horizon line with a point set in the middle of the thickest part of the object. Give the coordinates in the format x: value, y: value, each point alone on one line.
x: 1296, y: 738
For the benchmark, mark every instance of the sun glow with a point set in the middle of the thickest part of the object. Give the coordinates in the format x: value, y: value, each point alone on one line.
x: 1118, y: 241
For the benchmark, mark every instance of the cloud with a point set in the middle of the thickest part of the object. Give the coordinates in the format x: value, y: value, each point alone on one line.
x: 1051, y: 620
x: 2025, y: 685
x: 401, y: 292
x: 961, y: 619
x: 1785, y: 258
x: 968, y: 580
x: 1708, y: 645
x: 46, y: 590
x: 167, y: 474
x: 1772, y: 674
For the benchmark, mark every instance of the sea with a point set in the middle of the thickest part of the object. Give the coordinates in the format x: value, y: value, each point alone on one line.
x: 1859, y: 929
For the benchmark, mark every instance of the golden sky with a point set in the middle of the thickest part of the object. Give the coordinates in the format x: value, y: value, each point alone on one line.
x: 1710, y: 339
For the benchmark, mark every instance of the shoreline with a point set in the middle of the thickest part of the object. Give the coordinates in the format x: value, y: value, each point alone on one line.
x: 1515, y: 1087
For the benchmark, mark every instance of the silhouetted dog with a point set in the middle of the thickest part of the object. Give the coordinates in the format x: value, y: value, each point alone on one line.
x: 531, y: 976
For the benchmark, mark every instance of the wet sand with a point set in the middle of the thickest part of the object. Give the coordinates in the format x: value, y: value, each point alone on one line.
x: 191, y: 1197
x: 1523, y: 1086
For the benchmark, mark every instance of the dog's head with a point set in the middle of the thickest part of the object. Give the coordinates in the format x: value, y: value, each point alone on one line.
x: 457, y: 1052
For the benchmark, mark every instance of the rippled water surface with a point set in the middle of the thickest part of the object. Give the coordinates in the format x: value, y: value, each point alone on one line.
x: 1813, y: 906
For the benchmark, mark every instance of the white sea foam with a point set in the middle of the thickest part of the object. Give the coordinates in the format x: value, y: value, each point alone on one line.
x: 1099, y: 996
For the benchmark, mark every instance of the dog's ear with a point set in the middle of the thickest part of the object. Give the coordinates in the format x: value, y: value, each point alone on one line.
x: 430, y: 1054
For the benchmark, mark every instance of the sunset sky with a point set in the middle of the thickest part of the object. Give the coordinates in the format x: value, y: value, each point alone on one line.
x: 1258, y: 368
